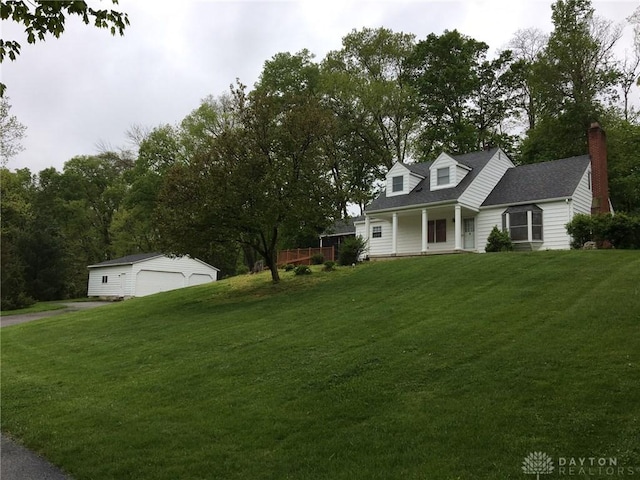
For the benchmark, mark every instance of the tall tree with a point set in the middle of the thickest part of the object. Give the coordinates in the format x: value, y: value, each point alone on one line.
x: 265, y: 176
x: 11, y: 133
x: 42, y: 17
x: 16, y: 213
x: 526, y: 45
x: 132, y: 229
x: 576, y: 74
x: 460, y: 92
x: 365, y: 86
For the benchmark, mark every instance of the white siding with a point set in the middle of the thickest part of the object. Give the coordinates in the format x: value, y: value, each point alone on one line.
x: 184, y: 265
x: 486, y: 180
x: 485, y: 221
x: 200, y: 278
x: 113, y: 287
x: 409, y: 239
x: 154, y: 275
x: 149, y: 282
x: 409, y: 180
x: 555, y: 215
x: 382, y: 245
x: 443, y: 161
x: 583, y: 195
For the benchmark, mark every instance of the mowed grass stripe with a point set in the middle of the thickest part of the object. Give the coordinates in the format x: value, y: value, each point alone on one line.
x: 438, y: 367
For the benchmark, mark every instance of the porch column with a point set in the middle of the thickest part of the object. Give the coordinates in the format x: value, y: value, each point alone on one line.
x: 425, y: 230
x: 529, y: 226
x: 394, y: 234
x: 367, y: 227
x: 458, y: 227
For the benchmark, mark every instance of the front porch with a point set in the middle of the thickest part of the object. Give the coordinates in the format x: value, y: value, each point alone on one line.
x: 423, y: 231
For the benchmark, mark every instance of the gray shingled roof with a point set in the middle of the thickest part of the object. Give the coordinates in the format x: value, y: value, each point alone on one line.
x: 422, y: 195
x: 128, y: 260
x: 539, y: 181
x: 342, y: 227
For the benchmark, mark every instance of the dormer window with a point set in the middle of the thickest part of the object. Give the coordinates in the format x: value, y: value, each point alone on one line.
x: 443, y: 176
x: 398, y: 184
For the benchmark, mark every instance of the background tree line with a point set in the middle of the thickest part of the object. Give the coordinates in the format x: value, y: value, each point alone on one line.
x: 252, y: 171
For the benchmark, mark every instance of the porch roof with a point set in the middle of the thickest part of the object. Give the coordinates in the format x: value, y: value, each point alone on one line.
x: 422, y: 195
x: 539, y: 181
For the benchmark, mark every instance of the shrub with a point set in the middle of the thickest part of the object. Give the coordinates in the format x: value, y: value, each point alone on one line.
x: 350, y: 250
x: 329, y: 266
x: 498, y: 241
x: 317, y: 259
x: 242, y: 270
x: 288, y: 267
x: 623, y: 231
x: 302, y: 270
x: 618, y: 231
x: 580, y: 229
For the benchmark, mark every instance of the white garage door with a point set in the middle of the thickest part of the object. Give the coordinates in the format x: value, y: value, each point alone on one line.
x: 200, y: 278
x: 149, y: 282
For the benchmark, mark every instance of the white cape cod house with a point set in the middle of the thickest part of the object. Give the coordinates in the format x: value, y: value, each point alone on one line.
x: 145, y: 274
x: 452, y: 203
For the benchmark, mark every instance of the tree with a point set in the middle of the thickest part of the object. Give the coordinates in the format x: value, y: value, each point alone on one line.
x: 132, y: 229
x: 15, y: 216
x: 41, y: 17
x: 462, y: 95
x: 575, y: 74
x: 526, y: 46
x: 265, y: 176
x: 364, y: 85
x: 623, y: 144
x: 11, y: 133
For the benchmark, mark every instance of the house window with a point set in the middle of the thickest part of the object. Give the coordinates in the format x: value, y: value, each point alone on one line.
x: 437, y: 231
x: 105, y: 279
x: 536, y: 226
x: 377, y: 232
x: 398, y: 183
x: 518, y: 226
x: 522, y: 221
x: 443, y: 176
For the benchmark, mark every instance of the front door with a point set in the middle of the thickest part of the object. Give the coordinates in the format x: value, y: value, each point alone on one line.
x: 469, y: 233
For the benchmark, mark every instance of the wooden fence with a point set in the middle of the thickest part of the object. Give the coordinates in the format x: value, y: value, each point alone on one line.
x: 302, y: 256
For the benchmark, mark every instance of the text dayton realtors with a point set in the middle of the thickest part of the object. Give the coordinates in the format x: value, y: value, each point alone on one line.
x: 593, y: 466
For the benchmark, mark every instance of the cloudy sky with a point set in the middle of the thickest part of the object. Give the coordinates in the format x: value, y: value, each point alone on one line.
x: 88, y: 88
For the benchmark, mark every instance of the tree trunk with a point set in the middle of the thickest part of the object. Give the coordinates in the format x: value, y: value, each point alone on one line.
x: 275, y: 275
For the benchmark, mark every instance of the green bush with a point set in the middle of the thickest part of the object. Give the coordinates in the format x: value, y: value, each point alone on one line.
x: 317, y: 259
x: 242, y: 270
x: 619, y: 230
x: 350, y: 250
x: 288, y: 267
x: 329, y: 266
x: 498, y: 241
x: 302, y: 270
x: 580, y: 229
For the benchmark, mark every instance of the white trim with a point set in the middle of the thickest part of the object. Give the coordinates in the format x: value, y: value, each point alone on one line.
x: 526, y: 202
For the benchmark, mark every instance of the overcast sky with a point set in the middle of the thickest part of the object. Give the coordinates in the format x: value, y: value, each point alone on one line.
x: 88, y: 87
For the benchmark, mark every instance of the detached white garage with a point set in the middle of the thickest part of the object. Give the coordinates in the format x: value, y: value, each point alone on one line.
x: 146, y: 274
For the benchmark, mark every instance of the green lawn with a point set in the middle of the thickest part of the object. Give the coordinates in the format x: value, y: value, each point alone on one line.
x: 442, y: 367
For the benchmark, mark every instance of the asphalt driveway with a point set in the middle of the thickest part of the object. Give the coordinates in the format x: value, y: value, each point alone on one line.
x: 69, y: 307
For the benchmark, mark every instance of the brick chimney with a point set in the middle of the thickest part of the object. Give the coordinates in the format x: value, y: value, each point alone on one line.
x: 599, y: 177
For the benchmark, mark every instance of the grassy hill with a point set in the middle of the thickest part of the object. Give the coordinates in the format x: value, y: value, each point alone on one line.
x: 440, y: 367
